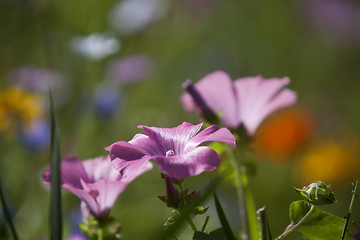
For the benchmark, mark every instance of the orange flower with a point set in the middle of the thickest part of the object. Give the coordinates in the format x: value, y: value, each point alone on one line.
x: 284, y: 133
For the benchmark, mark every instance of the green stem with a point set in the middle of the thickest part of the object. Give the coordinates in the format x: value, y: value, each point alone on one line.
x: 189, y: 221
x: 240, y: 190
x: 349, y: 212
x: 99, y: 234
x: 205, y: 223
x: 191, y: 224
x: 264, y: 224
x: 292, y: 226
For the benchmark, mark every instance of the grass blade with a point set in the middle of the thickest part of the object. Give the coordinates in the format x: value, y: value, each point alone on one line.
x: 7, y: 213
x: 55, y: 195
x: 264, y: 224
x: 223, y: 220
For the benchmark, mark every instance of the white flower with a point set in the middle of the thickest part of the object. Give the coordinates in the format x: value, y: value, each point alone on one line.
x: 131, y: 16
x: 96, y: 46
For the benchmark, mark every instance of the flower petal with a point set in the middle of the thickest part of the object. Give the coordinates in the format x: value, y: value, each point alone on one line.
x: 174, y: 139
x: 211, y: 133
x: 256, y: 94
x: 100, y: 168
x: 72, y: 171
x: 108, y: 193
x: 218, y: 92
x: 132, y: 169
x: 189, y: 164
x: 125, y: 151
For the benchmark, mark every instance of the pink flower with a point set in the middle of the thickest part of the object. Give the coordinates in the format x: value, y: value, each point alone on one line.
x: 244, y: 101
x: 176, y: 150
x: 95, y: 182
x: 130, y: 69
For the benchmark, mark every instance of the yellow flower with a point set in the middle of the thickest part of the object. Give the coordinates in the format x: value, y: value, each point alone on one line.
x: 18, y: 106
x: 336, y: 163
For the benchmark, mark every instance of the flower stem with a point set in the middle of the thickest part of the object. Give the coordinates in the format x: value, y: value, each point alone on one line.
x: 189, y: 221
x: 191, y: 224
x: 292, y: 226
x: 99, y: 234
x: 349, y: 212
x: 239, y: 183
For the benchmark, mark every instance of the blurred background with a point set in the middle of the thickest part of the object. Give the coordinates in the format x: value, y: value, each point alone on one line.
x: 115, y: 64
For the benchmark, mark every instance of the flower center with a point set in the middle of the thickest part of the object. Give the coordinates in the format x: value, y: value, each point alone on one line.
x: 170, y: 153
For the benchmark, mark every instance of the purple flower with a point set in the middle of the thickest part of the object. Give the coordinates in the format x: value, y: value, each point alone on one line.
x: 37, y: 79
x: 245, y: 101
x: 40, y: 80
x: 129, y: 69
x: 337, y: 19
x: 36, y: 136
x: 77, y: 236
x: 176, y: 150
x: 107, y: 100
x: 95, y: 182
x: 132, y: 16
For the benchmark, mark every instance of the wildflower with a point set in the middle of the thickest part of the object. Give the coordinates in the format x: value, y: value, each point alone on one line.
x: 37, y: 79
x: 129, y: 69
x: 18, y: 106
x: 36, y: 136
x: 96, y: 46
x: 131, y: 16
x: 334, y: 19
x: 95, y: 182
x: 283, y: 134
x: 176, y: 150
x: 77, y: 236
x: 108, y: 99
x: 40, y: 80
x: 246, y: 101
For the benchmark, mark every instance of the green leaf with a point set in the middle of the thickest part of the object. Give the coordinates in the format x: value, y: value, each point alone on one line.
x: 217, y: 234
x: 265, y: 232
x: 317, y: 225
x: 223, y: 220
x: 55, y: 195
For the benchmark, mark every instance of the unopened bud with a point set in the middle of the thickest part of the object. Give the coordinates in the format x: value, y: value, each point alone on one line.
x: 205, y: 110
x: 173, y: 197
x: 317, y: 193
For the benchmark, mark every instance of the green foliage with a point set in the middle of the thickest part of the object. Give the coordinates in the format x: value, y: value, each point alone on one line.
x: 223, y: 220
x: 55, y: 160
x: 218, y: 234
x: 265, y: 232
x: 313, y: 223
x: 177, y: 221
x: 109, y: 230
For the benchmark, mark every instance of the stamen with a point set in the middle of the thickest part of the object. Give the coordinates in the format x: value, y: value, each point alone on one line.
x: 170, y: 153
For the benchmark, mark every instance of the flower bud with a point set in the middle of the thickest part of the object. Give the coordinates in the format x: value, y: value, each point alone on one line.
x: 205, y: 110
x: 173, y: 197
x: 317, y: 193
